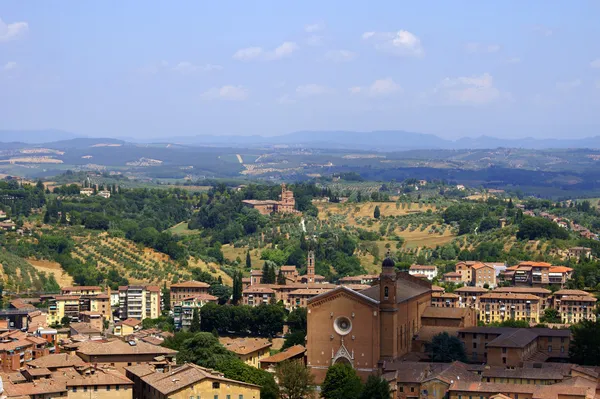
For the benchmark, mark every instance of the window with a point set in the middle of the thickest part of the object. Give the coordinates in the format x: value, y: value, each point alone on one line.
x: 216, y: 385
x: 108, y: 387
x: 562, y: 349
x: 504, y: 360
x: 549, y: 348
x: 241, y: 397
x: 74, y: 389
x: 412, y: 389
x: 95, y: 388
x: 503, y: 350
x: 474, y: 345
x: 228, y: 396
x: 117, y: 387
x: 386, y: 292
x: 216, y: 396
x: 84, y: 389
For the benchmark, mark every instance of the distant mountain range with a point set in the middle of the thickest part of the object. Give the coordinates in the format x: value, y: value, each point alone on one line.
x: 372, y: 141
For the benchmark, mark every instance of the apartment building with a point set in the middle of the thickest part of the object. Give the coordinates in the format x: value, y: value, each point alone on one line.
x: 254, y: 296
x: 183, y: 311
x: 576, y: 308
x: 445, y: 300
x: 120, y: 354
x: 538, y: 273
x: 542, y: 293
x: 469, y: 296
x: 483, y: 275
x: 465, y: 270
x: 187, y: 289
x: 574, y: 388
x: 429, y: 271
x: 500, y: 306
x: 510, y: 347
x: 17, y: 348
x: 187, y: 381
x: 452, y: 277
x: 139, y: 302
x: 72, y: 306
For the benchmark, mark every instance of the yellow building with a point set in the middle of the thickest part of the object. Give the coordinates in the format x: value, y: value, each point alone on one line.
x: 139, y: 302
x: 72, y: 305
x: 576, y: 308
x: 249, y: 350
x: 185, y: 382
x: 500, y: 306
x: 127, y: 327
x: 81, y: 290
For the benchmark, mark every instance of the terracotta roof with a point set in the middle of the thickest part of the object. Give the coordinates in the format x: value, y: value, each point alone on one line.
x: 535, y: 264
x: 179, y: 378
x: 506, y: 295
x: 445, y: 313
x: 560, y: 269
x: 99, y: 377
x: 190, y: 284
x: 518, y: 338
x: 258, y: 290
x: 419, y: 275
x: 437, y: 288
x: 417, y: 372
x: 28, y: 389
x: 357, y: 287
x: 585, y: 298
x: 470, y: 289
x: 67, y: 297
x: 571, y: 292
x: 244, y: 346
x: 130, y: 322
x: 153, y: 288
x: 256, y: 272
x: 527, y: 290
x: 481, y: 265
x: 118, y: 347
x: 201, y: 297
x: 526, y: 373
x: 308, y: 291
x: 446, y: 295
x: 407, y: 287
x: 289, y: 353
x: 57, y: 360
x: 19, y: 304
x: 287, y: 268
x: 84, y: 328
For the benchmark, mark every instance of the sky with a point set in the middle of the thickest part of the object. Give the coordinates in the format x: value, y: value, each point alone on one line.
x: 146, y: 69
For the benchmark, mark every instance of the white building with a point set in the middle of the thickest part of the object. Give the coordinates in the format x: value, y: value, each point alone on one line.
x: 428, y: 271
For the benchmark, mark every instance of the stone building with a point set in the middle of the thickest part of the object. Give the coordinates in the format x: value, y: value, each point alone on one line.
x: 364, y: 329
x: 286, y: 203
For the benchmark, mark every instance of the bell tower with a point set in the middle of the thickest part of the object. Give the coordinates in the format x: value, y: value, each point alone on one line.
x: 310, y: 267
x: 388, y: 311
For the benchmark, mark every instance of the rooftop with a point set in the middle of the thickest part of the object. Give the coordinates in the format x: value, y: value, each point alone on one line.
x: 118, y: 347
x: 289, y: 353
x: 187, y: 374
x: 190, y: 284
x: 57, y: 360
x: 445, y: 313
x: 244, y: 346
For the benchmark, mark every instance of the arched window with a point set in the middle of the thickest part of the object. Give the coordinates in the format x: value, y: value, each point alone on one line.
x: 386, y: 292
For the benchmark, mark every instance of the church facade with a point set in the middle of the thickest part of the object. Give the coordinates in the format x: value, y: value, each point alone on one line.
x: 368, y: 328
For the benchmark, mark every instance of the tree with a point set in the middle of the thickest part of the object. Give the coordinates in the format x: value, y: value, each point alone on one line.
x: 375, y: 388
x: 166, y: 294
x: 295, y: 380
x: 280, y: 278
x: 195, y: 326
x: 248, y: 261
x: 551, y: 315
x: 237, y: 288
x: 65, y: 321
x: 585, y: 343
x: 341, y: 382
x: 376, y: 212
x: 445, y: 348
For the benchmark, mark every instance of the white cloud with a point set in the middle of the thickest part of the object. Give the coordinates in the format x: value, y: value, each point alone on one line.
x: 286, y: 99
x: 312, y: 89
x: 286, y: 49
x: 402, y: 42
x: 227, y: 92
x: 469, y: 90
x: 248, y: 53
x: 568, y: 85
x: 340, y: 55
x: 513, y: 60
x: 9, y: 66
x: 542, y: 30
x: 475, y: 47
x: 12, y: 31
x: 380, y: 87
x: 311, y: 28
x: 187, y: 67
x: 258, y: 53
x: 315, y: 40
x: 595, y: 63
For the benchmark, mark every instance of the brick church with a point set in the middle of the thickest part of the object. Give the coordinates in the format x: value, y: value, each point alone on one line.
x: 367, y: 328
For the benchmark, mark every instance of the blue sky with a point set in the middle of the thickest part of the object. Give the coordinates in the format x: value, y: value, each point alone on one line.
x: 150, y: 69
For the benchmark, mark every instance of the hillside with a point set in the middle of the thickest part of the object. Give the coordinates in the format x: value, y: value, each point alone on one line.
x: 18, y: 275
x: 139, y: 264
